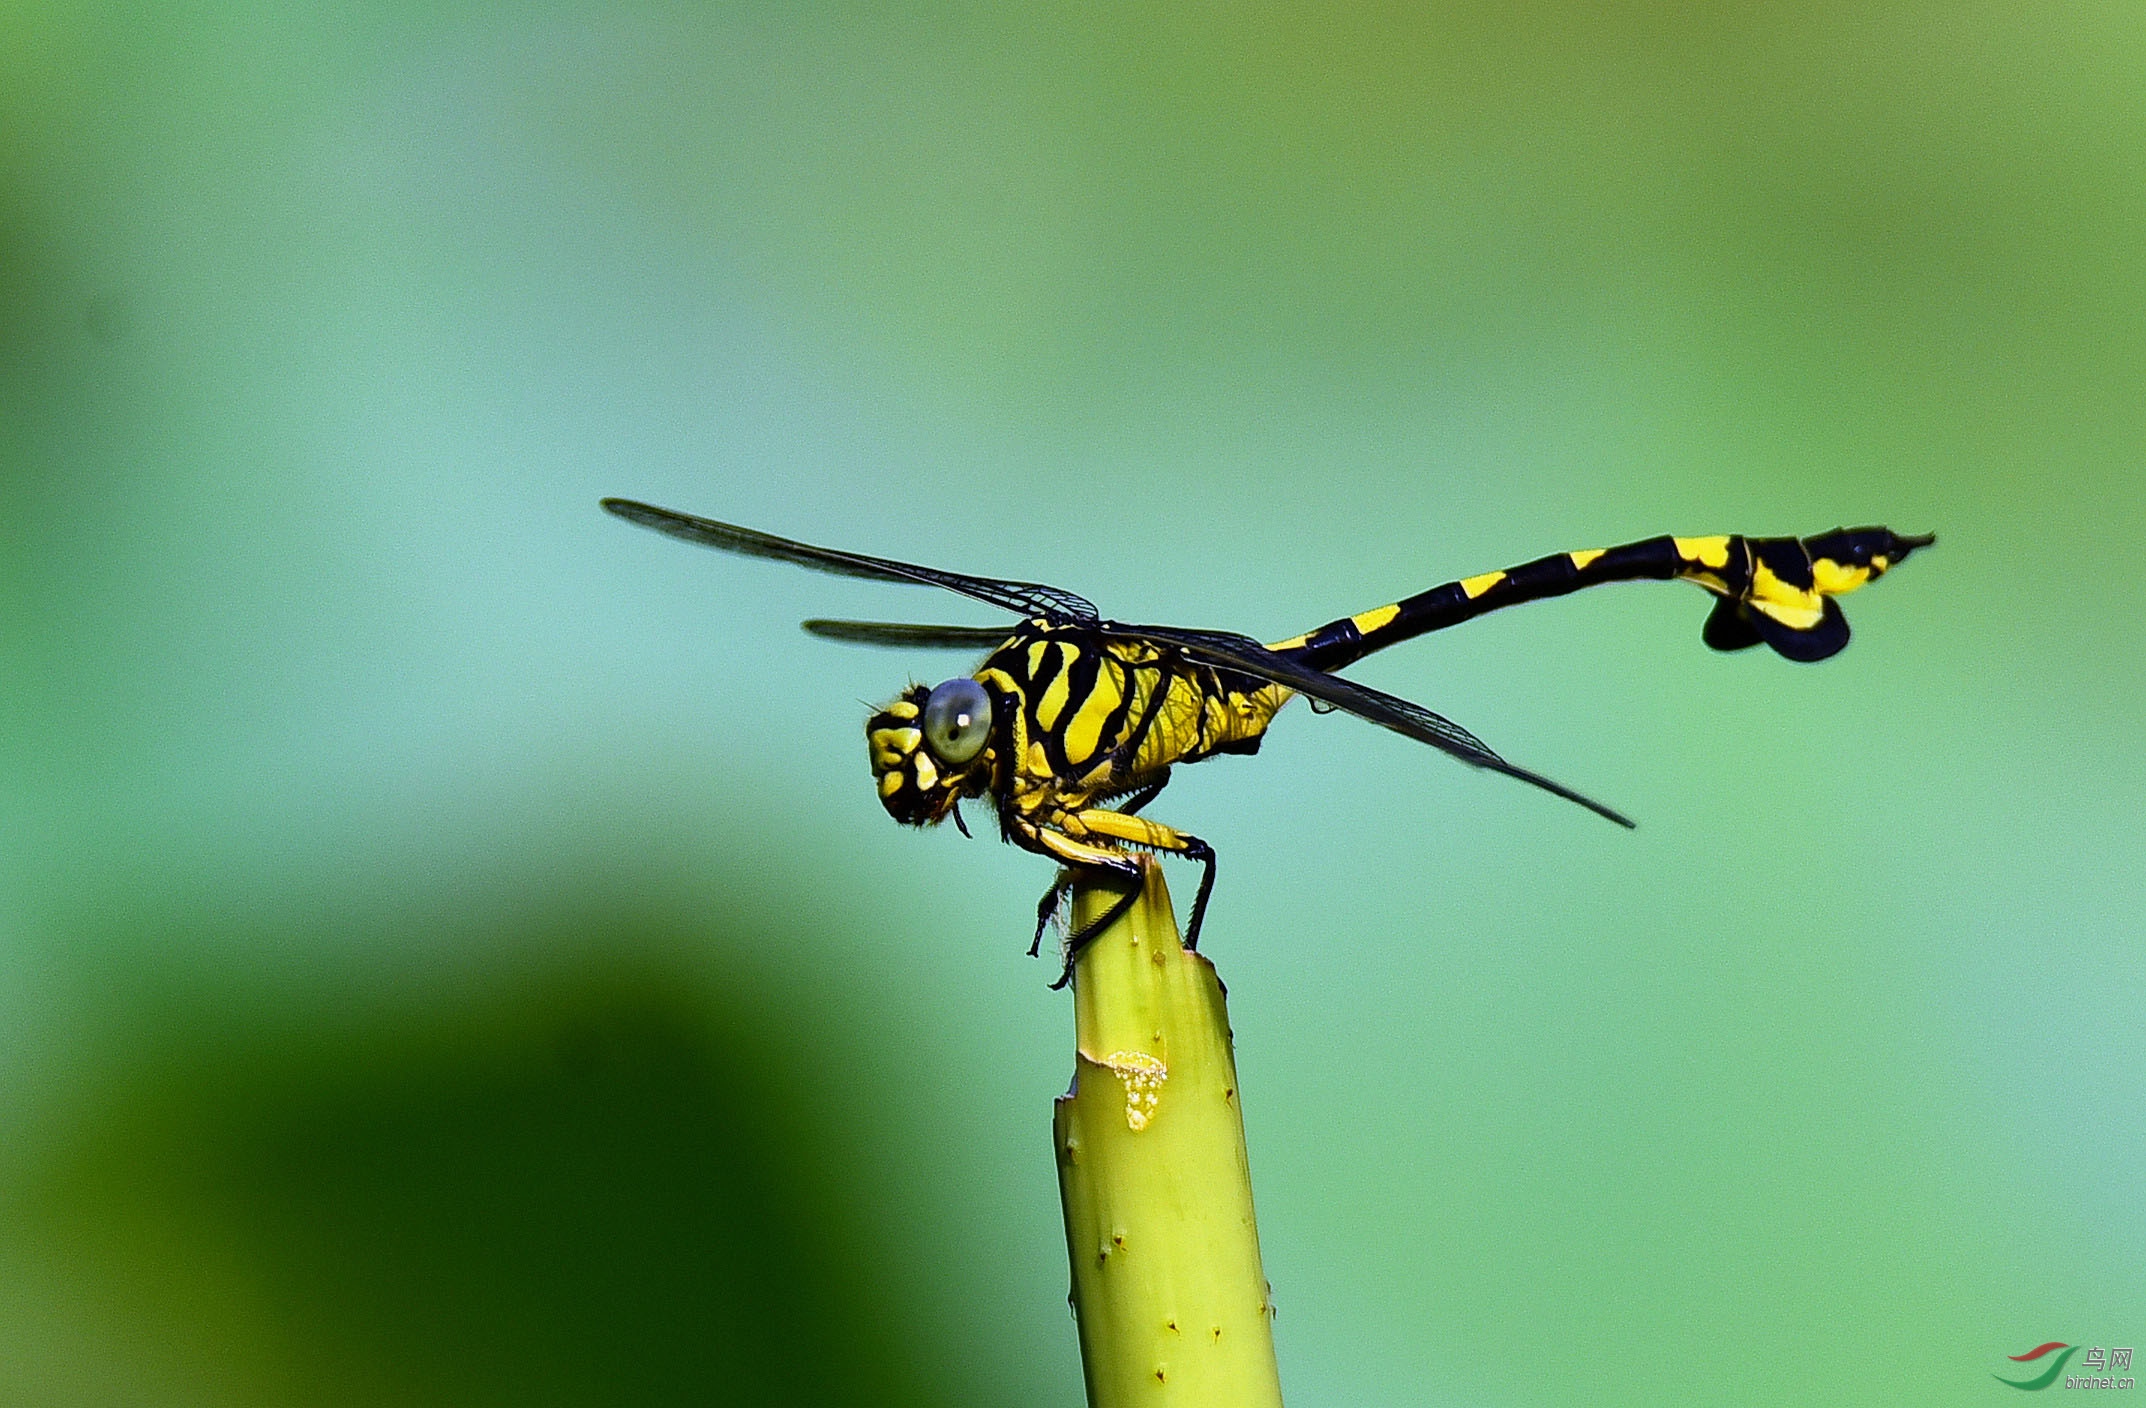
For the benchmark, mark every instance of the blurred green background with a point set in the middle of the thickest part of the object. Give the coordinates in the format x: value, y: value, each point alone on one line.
x: 450, y: 952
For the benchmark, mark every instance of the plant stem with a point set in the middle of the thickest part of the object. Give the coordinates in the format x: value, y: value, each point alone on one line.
x: 1167, y: 1288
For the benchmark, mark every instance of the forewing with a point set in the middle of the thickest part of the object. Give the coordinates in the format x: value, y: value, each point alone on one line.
x: 1023, y: 598
x: 1247, y: 656
x: 910, y: 637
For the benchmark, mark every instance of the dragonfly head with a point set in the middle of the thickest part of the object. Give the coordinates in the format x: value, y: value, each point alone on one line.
x: 930, y: 748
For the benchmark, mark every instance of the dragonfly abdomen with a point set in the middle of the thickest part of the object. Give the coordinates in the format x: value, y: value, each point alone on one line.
x: 1772, y: 589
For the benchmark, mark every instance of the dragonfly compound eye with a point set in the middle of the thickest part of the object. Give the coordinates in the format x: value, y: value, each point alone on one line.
x: 957, y: 720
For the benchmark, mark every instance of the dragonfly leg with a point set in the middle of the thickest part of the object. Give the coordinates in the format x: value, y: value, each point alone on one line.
x: 1121, y: 826
x: 1205, y: 854
x: 1141, y: 796
x: 1047, y: 908
x: 1088, y: 932
x: 1078, y: 855
x: 1093, y: 839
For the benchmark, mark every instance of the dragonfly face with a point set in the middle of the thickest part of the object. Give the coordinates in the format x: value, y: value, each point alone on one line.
x: 932, y: 747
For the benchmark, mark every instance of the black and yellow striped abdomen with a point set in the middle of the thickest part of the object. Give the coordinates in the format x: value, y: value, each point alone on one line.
x: 1776, y: 590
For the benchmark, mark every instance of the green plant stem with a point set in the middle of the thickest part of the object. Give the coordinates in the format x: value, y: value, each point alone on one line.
x: 1172, y: 1304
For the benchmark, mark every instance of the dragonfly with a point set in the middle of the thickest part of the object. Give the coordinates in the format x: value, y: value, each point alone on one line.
x: 1072, y: 723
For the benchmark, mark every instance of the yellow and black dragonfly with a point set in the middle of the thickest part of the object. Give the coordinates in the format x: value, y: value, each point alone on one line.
x: 1072, y: 723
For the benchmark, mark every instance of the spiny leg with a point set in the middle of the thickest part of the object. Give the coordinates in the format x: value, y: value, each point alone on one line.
x: 1191, y: 848
x: 1205, y: 854
x: 1120, y: 826
x: 1088, y: 932
x: 1094, y: 839
x: 1141, y: 796
x: 1047, y: 908
x: 1078, y: 856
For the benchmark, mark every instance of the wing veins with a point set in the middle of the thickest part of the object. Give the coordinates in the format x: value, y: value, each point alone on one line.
x: 1023, y: 598
x: 1244, y: 655
x: 904, y: 635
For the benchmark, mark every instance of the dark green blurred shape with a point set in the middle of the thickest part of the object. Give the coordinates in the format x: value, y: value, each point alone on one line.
x: 600, y: 1186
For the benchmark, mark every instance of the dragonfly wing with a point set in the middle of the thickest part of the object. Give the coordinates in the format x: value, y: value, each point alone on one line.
x: 909, y: 636
x: 1247, y: 656
x: 1022, y: 598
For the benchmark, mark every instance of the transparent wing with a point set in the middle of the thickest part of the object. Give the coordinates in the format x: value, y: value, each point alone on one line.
x: 1246, y: 656
x: 910, y: 637
x: 1023, y: 598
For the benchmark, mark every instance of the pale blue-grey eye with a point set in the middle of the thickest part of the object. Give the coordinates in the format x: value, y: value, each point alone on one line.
x: 957, y: 720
